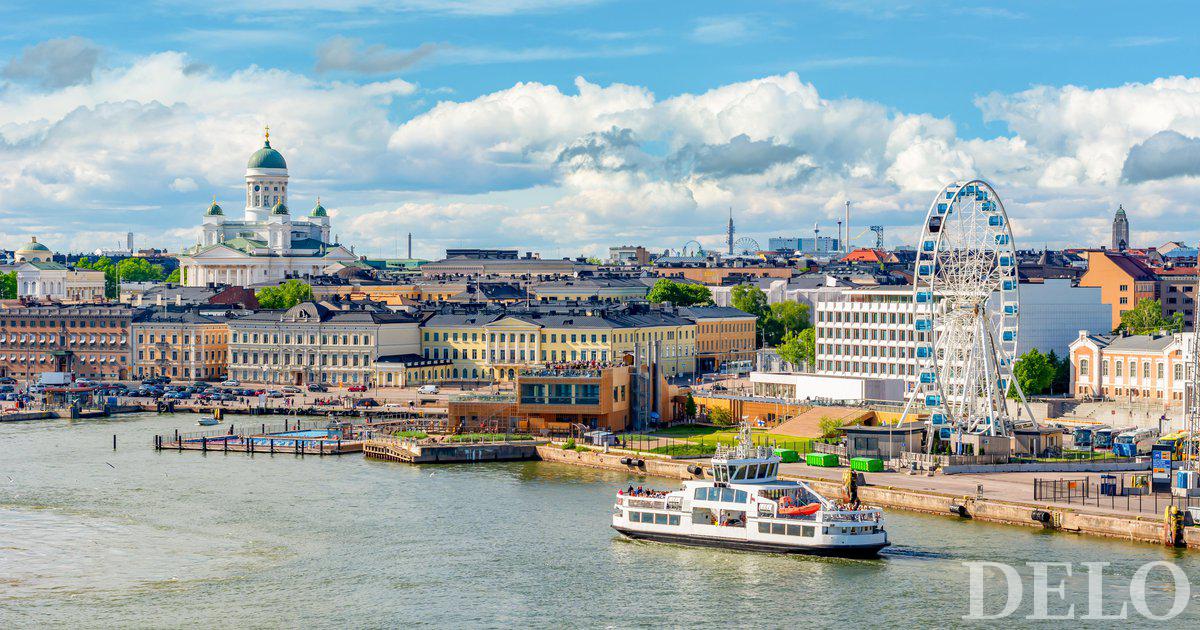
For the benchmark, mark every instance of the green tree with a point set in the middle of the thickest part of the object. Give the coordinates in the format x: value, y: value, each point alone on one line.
x: 720, y: 415
x: 751, y: 299
x: 689, y: 406
x: 592, y: 260
x: 284, y: 296
x: 1062, y: 373
x: 1147, y: 317
x: 174, y: 277
x: 1034, y: 373
x: 8, y: 286
x: 138, y: 270
x: 792, y: 316
x: 829, y: 426
x: 798, y: 348
x: 678, y: 293
x: 807, y: 340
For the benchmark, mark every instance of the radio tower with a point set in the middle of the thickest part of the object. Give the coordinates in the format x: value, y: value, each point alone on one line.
x: 729, y: 236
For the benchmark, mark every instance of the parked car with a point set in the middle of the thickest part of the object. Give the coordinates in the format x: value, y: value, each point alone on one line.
x: 274, y: 394
x: 357, y: 388
x: 8, y: 380
x: 427, y: 389
x: 317, y: 387
x: 291, y: 389
x: 366, y: 402
x: 231, y: 383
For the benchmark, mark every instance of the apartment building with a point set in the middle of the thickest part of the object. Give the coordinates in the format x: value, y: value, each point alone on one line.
x: 869, y: 333
x: 91, y: 340
x: 326, y: 343
x: 493, y: 344
x: 1123, y: 279
x: 1132, y: 368
x: 1177, y: 292
x: 723, y: 334
x: 182, y: 344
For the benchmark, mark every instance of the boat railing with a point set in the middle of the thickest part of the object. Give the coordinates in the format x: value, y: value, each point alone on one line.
x: 841, y: 516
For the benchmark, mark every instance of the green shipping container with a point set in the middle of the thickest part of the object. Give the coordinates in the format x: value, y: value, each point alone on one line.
x: 866, y: 464
x: 787, y: 454
x: 826, y: 460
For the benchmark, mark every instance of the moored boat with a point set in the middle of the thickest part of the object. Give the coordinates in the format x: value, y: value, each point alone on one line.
x: 746, y: 506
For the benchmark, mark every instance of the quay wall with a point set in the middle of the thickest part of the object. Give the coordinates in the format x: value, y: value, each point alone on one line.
x: 1133, y: 528
x: 443, y: 454
x: 1088, y: 466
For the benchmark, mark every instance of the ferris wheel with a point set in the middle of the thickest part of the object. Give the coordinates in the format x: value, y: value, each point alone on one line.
x: 967, y: 307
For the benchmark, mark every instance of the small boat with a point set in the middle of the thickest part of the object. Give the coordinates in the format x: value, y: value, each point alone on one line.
x: 212, y: 421
x: 746, y: 506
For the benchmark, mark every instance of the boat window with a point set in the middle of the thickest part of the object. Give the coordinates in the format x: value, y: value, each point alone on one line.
x: 793, y: 530
x: 703, y: 516
x: 714, y: 494
x: 635, y: 517
x: 807, y: 530
x: 739, y: 496
x: 674, y: 520
x: 759, y: 470
x: 701, y: 494
x: 739, y: 472
x: 660, y: 519
x: 774, y: 470
x: 777, y: 528
x: 727, y: 495
x: 764, y: 528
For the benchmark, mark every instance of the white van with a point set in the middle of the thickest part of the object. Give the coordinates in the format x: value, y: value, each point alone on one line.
x: 427, y: 389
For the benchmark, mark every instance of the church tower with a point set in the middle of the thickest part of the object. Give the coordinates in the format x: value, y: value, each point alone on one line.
x: 1120, y: 230
x: 266, y: 181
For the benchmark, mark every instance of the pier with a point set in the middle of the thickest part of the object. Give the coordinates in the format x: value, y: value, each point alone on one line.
x: 298, y: 437
x: 425, y: 451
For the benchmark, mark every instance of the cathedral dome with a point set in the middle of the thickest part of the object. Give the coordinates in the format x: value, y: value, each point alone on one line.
x: 266, y: 157
x: 33, y: 251
x: 279, y: 208
x: 318, y: 210
x: 214, y: 210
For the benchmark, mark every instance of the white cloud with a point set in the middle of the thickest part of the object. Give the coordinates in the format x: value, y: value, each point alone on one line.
x: 539, y: 167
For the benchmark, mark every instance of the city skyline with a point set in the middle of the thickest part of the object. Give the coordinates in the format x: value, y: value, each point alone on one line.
x: 546, y: 125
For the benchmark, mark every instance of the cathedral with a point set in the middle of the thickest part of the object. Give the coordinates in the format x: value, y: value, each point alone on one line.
x: 268, y: 244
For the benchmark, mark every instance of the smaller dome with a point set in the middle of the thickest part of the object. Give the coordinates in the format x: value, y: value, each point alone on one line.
x: 318, y: 210
x: 33, y: 246
x: 214, y: 210
x: 279, y: 208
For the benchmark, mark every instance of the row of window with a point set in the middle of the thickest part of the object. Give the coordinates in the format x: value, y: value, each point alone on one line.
x: 726, y: 495
x: 865, y: 367
x: 865, y: 350
x: 650, y: 517
x: 298, y: 339
x: 1118, y: 367
x: 870, y: 333
x: 187, y: 338
x: 860, y: 317
x: 275, y: 358
x: 783, y: 529
x: 52, y: 338
x: 58, y: 323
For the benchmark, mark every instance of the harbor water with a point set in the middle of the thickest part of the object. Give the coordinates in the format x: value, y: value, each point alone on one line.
x: 132, y: 538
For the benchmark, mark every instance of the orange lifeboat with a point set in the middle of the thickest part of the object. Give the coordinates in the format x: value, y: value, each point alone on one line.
x: 800, y: 510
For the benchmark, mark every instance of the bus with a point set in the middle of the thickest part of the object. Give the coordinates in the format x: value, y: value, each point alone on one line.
x: 1135, y: 442
x: 1103, y: 437
x: 1083, y: 435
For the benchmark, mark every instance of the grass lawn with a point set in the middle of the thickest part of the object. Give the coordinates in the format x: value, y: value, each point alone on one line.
x: 684, y: 449
x: 416, y: 435
x: 711, y: 436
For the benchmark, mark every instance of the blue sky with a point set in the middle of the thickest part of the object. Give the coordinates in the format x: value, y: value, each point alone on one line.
x: 804, y: 104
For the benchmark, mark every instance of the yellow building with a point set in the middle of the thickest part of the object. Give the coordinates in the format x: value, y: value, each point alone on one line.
x: 494, y: 345
x: 183, y: 345
x: 723, y: 334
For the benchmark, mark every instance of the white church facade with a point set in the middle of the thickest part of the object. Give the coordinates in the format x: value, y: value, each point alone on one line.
x: 40, y: 278
x: 268, y: 244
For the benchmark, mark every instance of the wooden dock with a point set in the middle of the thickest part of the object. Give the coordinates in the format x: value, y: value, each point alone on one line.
x: 270, y: 439
x: 412, y: 451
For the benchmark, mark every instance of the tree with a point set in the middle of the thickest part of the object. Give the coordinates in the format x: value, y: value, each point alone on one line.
x: 799, y: 348
x: 791, y: 317
x: 1146, y: 317
x: 284, y: 296
x: 720, y: 415
x: 751, y: 299
x: 829, y: 426
x: 8, y: 286
x: 1034, y: 373
x: 1062, y: 373
x: 174, y: 277
x: 678, y: 293
x: 592, y: 260
x: 689, y: 406
x: 138, y: 270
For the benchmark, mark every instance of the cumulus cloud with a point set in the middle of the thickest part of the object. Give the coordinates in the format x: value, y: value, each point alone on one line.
x: 54, y: 63
x: 352, y: 55
x: 1164, y: 155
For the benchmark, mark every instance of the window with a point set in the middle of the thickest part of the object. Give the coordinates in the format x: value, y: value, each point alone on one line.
x: 764, y: 528
x: 674, y: 520
x: 1119, y: 364
x: 701, y: 494
x: 1104, y: 368
x: 660, y: 519
x: 778, y: 528
x: 1083, y: 367
x: 1124, y: 300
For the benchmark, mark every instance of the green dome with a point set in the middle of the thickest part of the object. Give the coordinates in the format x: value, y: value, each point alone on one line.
x: 214, y: 210
x: 266, y: 157
x: 34, y: 246
x: 318, y: 210
x: 279, y: 208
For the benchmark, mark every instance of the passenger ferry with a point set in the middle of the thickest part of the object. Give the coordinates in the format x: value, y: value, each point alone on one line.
x: 745, y: 506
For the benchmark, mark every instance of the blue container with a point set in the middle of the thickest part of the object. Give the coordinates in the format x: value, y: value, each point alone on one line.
x: 942, y: 208
x: 925, y: 270
x: 1010, y: 285
x: 996, y: 220
x: 1009, y: 335
x: 1006, y: 261
x: 928, y: 246
x: 933, y: 400
x: 924, y: 352
x: 1002, y: 239
x: 924, y: 296
x: 1010, y: 309
x: 928, y: 377
x: 938, y: 418
x: 924, y: 325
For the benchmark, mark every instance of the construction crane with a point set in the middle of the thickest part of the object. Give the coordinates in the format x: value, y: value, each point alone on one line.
x: 878, y: 230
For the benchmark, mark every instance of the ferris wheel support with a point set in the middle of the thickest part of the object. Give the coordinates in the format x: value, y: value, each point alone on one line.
x: 966, y: 317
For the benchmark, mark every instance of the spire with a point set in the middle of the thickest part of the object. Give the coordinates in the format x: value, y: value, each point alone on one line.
x: 266, y: 135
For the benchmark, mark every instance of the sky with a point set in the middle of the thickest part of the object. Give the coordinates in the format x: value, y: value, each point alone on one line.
x: 568, y: 126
